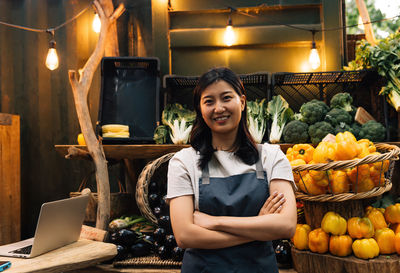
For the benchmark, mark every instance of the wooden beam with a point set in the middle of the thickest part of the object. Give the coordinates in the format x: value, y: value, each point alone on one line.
x: 369, y: 32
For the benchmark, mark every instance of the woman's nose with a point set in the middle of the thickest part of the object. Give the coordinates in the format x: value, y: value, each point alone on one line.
x: 219, y: 107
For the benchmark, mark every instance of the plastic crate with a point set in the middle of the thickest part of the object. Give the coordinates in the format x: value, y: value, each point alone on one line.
x: 179, y: 89
x: 130, y: 88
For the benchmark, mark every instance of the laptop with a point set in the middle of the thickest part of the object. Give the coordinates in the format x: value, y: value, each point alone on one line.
x: 59, y: 224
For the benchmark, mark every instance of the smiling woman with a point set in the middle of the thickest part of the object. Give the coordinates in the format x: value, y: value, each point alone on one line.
x: 228, y: 196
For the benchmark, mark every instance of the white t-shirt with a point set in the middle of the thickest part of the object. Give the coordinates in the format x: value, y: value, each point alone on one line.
x: 184, y: 173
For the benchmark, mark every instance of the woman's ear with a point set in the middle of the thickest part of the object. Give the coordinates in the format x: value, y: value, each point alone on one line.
x: 243, y: 101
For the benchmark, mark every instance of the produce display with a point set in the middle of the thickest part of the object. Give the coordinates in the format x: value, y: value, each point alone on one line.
x: 366, y: 237
x: 343, y: 146
x: 316, y: 120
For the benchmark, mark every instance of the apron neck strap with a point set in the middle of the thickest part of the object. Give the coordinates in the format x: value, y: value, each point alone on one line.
x: 205, y: 175
x: 259, y: 167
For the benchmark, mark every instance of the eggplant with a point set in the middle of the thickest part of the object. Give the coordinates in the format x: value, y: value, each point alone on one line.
x: 122, y: 253
x: 283, y: 254
x: 170, y: 241
x: 124, y: 237
x: 163, y: 252
x: 159, y: 235
x: 140, y: 249
x: 153, y: 187
x: 154, y: 200
x: 165, y: 222
x: 157, y: 212
x: 163, y: 203
x: 177, y: 254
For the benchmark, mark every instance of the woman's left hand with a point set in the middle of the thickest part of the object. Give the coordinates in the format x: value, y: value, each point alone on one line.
x: 203, y: 220
x: 274, y: 204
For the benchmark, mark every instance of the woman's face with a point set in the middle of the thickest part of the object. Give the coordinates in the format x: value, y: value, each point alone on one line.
x: 221, y: 108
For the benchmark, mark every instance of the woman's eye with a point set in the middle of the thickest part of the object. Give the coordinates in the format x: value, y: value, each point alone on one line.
x: 208, y: 102
x: 227, y: 98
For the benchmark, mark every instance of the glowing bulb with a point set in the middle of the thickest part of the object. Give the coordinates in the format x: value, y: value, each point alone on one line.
x: 229, y: 35
x: 52, y: 58
x: 96, y: 25
x: 314, y: 60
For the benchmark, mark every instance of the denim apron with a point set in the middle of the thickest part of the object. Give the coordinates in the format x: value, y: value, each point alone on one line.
x: 237, y: 195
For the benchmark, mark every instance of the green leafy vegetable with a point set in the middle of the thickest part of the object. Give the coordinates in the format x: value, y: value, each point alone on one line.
x: 342, y: 101
x: 295, y: 131
x: 280, y: 113
x: 319, y: 130
x: 373, y: 131
x: 161, y: 134
x: 180, y: 122
x: 257, y: 116
x: 313, y: 111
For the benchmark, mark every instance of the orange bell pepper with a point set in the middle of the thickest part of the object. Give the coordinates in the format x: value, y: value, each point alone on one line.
x: 300, y: 238
x: 382, y: 166
x: 346, y: 146
x: 377, y: 218
x: 318, y: 241
x: 333, y: 223
x: 324, y: 152
x: 395, y: 227
x: 385, y: 239
x: 397, y: 242
x: 339, y: 182
x: 360, y: 228
x: 289, y: 154
x: 366, y: 147
x: 308, y: 185
x: 377, y: 176
x: 365, y: 248
x: 340, y: 245
x: 303, y: 151
x: 392, y: 213
x: 360, y: 178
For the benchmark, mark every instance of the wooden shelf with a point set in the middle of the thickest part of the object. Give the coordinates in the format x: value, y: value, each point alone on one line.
x: 119, y: 152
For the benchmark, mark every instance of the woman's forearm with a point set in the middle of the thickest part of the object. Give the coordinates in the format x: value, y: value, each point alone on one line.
x: 194, y: 236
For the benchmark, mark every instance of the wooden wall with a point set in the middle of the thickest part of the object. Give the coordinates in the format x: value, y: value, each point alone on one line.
x: 43, y: 98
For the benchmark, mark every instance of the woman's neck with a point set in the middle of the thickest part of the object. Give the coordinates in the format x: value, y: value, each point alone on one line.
x: 224, y: 142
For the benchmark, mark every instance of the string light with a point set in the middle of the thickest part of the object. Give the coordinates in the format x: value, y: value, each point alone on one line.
x: 314, y: 59
x: 96, y: 25
x: 52, y: 57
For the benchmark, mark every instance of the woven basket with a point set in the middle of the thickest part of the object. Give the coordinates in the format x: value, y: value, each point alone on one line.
x: 158, y: 168
x: 146, y: 262
x: 389, y: 152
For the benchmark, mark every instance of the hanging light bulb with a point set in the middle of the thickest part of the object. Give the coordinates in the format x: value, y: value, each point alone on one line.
x: 314, y: 59
x: 96, y: 25
x: 52, y: 57
x: 229, y: 35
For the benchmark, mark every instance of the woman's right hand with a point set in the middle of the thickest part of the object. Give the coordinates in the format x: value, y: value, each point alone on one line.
x: 273, y: 204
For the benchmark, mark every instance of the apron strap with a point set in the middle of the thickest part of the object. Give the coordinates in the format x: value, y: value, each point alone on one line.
x: 205, y: 176
x: 259, y: 167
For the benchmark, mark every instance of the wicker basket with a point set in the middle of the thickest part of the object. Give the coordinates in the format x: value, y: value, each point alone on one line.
x: 389, y: 152
x: 156, y: 169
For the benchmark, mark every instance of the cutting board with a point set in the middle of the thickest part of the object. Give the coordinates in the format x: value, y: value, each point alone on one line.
x: 362, y: 116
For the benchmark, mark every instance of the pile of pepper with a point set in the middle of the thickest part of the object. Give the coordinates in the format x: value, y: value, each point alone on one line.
x: 377, y: 232
x: 343, y: 146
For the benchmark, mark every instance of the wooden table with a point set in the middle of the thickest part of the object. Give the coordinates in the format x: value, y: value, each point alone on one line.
x: 81, y: 254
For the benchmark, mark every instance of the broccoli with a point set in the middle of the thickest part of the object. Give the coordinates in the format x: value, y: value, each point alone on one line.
x: 313, y: 111
x: 373, y: 131
x: 342, y: 100
x: 161, y: 134
x: 337, y: 116
x: 342, y: 127
x: 319, y: 130
x: 355, y: 129
x: 353, y: 111
x: 295, y: 131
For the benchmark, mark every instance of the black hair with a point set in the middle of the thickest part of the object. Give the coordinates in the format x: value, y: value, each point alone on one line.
x: 200, y: 138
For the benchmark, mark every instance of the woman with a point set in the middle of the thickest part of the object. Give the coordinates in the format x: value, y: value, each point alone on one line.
x: 228, y: 196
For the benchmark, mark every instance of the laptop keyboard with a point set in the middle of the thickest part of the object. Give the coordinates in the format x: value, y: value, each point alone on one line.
x: 23, y: 250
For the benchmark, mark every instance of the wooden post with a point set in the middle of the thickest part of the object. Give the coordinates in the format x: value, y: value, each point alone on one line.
x: 369, y: 33
x: 80, y: 84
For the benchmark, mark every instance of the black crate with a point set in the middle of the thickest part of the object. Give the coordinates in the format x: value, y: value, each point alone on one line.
x: 130, y: 88
x: 363, y: 85
x: 179, y: 89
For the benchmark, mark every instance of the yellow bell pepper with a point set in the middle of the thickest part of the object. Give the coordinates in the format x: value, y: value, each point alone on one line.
x: 377, y: 218
x: 377, y: 176
x: 333, y: 223
x: 303, y: 151
x: 324, y: 152
x: 300, y: 238
x: 395, y: 228
x: 382, y: 166
x: 365, y: 248
x: 318, y: 241
x: 360, y: 228
x: 385, y: 239
x: 340, y: 245
x: 297, y: 175
x: 289, y: 154
x: 346, y: 146
x: 320, y: 177
x: 339, y: 182
x: 308, y: 185
x: 360, y: 178
x: 392, y: 213
x: 366, y: 147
